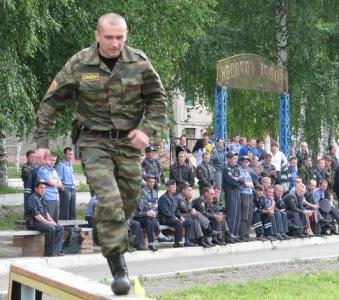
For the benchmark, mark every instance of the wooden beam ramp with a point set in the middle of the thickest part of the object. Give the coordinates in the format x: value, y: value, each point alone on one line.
x: 30, y: 282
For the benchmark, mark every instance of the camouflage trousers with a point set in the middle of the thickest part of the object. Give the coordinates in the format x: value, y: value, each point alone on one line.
x: 113, y: 171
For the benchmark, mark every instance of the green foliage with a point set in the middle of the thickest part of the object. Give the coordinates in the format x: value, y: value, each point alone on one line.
x: 10, y: 190
x: 8, y: 222
x: 308, y: 286
x: 82, y: 187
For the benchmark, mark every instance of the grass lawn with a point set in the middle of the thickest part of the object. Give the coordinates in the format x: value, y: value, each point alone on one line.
x: 315, y: 286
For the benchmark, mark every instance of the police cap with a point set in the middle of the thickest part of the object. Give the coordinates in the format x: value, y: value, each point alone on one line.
x: 231, y: 154
x: 150, y: 148
x: 170, y: 182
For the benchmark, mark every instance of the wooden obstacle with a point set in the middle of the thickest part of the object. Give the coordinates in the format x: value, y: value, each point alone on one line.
x: 30, y: 282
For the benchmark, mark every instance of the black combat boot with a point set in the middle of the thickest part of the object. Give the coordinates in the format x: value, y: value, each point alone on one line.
x: 117, y: 265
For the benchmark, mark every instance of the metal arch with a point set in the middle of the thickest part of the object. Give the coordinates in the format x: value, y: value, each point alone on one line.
x: 284, y: 123
x: 220, y: 111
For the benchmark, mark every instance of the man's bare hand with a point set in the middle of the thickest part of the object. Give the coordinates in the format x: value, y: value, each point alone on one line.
x: 139, y: 139
x: 40, y: 155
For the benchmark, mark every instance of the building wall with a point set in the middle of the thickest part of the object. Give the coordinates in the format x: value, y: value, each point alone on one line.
x: 197, y: 117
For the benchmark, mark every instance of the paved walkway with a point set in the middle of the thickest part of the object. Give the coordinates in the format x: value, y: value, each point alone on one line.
x: 170, y: 261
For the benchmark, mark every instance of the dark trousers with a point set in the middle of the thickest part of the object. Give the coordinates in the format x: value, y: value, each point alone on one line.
x: 151, y: 225
x: 246, y: 209
x: 53, y: 209
x: 67, y: 204
x: 262, y: 224
x: 296, y: 220
x: 178, y: 225
x: 233, y: 212
x: 53, y: 236
x: 277, y: 226
x: 135, y: 230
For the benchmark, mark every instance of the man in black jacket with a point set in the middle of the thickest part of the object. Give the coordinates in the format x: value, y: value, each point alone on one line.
x: 169, y: 214
x: 205, y: 173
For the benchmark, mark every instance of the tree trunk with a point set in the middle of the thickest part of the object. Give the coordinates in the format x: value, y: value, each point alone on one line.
x: 281, y: 29
x: 3, y: 161
x: 18, y: 155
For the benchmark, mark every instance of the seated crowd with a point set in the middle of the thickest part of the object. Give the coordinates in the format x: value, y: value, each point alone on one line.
x: 240, y: 186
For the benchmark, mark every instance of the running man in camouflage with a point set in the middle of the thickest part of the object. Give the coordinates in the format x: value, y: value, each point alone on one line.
x: 120, y: 103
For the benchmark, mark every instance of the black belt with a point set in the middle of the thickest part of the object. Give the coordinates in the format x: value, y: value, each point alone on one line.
x: 109, y: 134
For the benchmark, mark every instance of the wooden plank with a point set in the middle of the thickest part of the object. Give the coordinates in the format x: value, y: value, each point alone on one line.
x: 60, y: 284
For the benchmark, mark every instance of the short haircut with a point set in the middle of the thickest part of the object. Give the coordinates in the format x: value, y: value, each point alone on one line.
x: 293, y: 158
x: 205, y: 134
x: 29, y: 152
x: 207, y: 188
x: 67, y: 149
x: 274, y: 144
x: 259, y: 188
x: 323, y: 181
x: 268, y: 155
x: 111, y: 18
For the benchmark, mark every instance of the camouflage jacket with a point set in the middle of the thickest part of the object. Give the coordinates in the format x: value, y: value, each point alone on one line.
x: 129, y: 97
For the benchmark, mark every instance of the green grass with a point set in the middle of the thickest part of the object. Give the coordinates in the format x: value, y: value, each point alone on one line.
x: 309, y: 286
x: 10, y: 190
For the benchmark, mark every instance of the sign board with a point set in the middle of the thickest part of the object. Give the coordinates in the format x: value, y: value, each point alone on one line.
x: 253, y: 72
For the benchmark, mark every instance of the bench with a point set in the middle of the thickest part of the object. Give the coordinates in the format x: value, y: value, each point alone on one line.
x: 31, y: 241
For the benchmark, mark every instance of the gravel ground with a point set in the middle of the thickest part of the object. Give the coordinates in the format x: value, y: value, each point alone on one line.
x: 155, y: 286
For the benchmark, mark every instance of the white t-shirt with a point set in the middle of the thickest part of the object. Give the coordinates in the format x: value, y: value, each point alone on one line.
x: 278, y: 160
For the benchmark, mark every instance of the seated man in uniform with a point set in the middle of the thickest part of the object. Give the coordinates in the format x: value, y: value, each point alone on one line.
x: 38, y: 218
x: 147, y: 212
x: 169, y: 214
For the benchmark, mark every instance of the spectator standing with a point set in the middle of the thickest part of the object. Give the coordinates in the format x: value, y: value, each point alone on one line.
x: 305, y: 172
x: 235, y: 145
x: 181, y: 171
x: 218, y: 161
x: 319, y: 172
x: 332, y: 152
x: 151, y: 166
x: 231, y: 183
x: 28, y: 167
x: 302, y: 154
x: 182, y: 146
x: 279, y: 160
x: 205, y: 173
x: 246, y: 201
x: 198, y: 150
x: 38, y: 218
x: 250, y: 147
x: 207, y: 145
x: 67, y: 195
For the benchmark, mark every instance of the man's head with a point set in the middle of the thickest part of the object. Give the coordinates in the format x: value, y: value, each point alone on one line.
x: 293, y: 162
x: 205, y: 138
x: 259, y: 191
x: 268, y: 158
x: 206, y: 158
x: 278, y: 191
x: 244, y: 162
x: 260, y: 144
x: 298, y: 180
x: 182, y: 140
x: 323, y: 185
x: 236, y: 137
x: 171, y: 186
x: 151, y: 151
x: 332, y: 149
x: 187, y: 191
x: 232, y: 158
x: 274, y: 147
x: 181, y: 157
x: 328, y: 161
x: 51, y: 159
x: 308, y: 161
x: 269, y: 192
x: 209, y: 193
x: 68, y: 153
x: 220, y: 143
x: 300, y: 190
x: 30, y: 155
x: 303, y: 146
x: 252, y: 143
x: 321, y: 164
x: 266, y: 182
x: 111, y: 35
x: 40, y: 188
x: 312, y: 185
x: 150, y: 181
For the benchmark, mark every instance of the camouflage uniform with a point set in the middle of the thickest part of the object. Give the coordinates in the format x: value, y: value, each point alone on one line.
x: 109, y: 105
